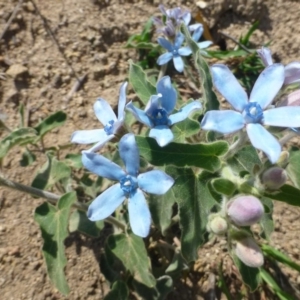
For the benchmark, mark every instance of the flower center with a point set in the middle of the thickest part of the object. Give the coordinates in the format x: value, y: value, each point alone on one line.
x: 253, y: 113
x: 128, y: 184
x: 175, y: 52
x: 108, y: 128
x: 160, y: 117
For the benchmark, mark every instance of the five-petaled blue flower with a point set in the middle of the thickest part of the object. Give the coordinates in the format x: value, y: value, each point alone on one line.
x: 130, y: 186
x: 252, y: 114
x: 107, y: 117
x: 157, y: 114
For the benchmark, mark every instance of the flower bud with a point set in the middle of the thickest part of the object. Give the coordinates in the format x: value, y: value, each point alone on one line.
x: 249, y: 252
x: 274, y: 178
x: 217, y: 225
x: 245, y: 210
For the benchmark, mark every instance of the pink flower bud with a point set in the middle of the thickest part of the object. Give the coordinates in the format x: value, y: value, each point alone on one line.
x: 274, y: 178
x: 249, y: 252
x: 292, y: 99
x: 265, y: 55
x: 217, y: 225
x: 245, y: 210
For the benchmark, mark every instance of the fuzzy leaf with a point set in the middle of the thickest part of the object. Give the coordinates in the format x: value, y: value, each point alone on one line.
x: 287, y: 194
x: 293, y: 168
x: 266, y: 222
x: 119, y: 291
x: 53, y: 221
x: 130, y: 249
x: 185, y: 129
x: 223, y: 186
x: 138, y: 79
x: 199, y: 155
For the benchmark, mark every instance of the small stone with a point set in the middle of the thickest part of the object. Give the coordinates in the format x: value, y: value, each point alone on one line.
x: 15, y: 71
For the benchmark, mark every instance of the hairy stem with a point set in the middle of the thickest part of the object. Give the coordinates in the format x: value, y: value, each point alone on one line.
x: 52, y: 198
x: 237, y: 145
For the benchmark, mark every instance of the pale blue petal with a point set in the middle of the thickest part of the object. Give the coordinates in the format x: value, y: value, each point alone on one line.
x: 101, y: 166
x: 267, y: 85
x: 184, y: 112
x: 103, y: 111
x: 88, y: 136
x: 178, y: 63
x: 139, y: 114
x: 169, y: 94
x: 225, y: 82
x: 152, y: 105
x: 205, y: 44
x: 162, y: 134
x: 101, y: 143
x: 224, y: 121
x: 197, y: 32
x: 139, y: 214
x: 165, y: 44
x: 292, y: 73
x: 122, y: 102
x: 106, y: 203
x: 186, y: 17
x: 178, y: 40
x: 129, y: 153
x: 265, y: 55
x: 287, y: 116
x: 184, y: 51
x: 155, y: 182
x: 164, y: 58
x: 264, y: 141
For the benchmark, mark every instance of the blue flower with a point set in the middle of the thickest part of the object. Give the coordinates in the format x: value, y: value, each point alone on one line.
x: 175, y: 51
x: 157, y: 114
x: 107, y: 117
x: 252, y: 113
x: 197, y: 31
x: 130, y: 186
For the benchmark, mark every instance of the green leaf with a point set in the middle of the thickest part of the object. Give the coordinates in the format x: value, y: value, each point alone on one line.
x: 287, y: 194
x: 80, y: 222
x: 250, y: 276
x: 227, y: 54
x: 20, y: 136
x: 268, y: 279
x: 266, y: 222
x: 138, y: 79
x: 130, y: 249
x: 195, y: 203
x: 164, y: 286
x: 199, y: 155
x: 50, y: 173
x: 177, y: 265
x: 53, y: 121
x: 185, y: 129
x: 293, y: 168
x: 28, y: 158
x: 279, y: 257
x: 74, y: 160
x: 245, y: 160
x: 119, y: 291
x: 223, y: 186
x: 53, y: 221
x: 210, y: 99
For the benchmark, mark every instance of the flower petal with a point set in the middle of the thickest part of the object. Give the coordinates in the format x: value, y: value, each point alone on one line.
x: 164, y: 58
x: 139, y: 214
x: 169, y: 95
x: 152, y: 105
x: 155, y: 182
x: 225, y: 82
x: 122, y: 102
x: 184, y: 51
x: 162, y: 134
x: 178, y: 40
x: 292, y: 73
x: 165, y: 44
x: 265, y: 55
x: 102, y: 166
x: 139, y: 114
x: 88, y: 136
x: 104, y: 112
x: 224, y: 121
x: 106, y: 203
x: 205, y: 44
x: 288, y: 116
x: 184, y: 112
x: 101, y: 143
x: 267, y: 85
x: 178, y: 63
x: 186, y: 17
x: 264, y: 141
x: 129, y: 153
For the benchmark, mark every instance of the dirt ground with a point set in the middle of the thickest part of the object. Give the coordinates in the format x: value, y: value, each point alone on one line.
x: 39, y: 69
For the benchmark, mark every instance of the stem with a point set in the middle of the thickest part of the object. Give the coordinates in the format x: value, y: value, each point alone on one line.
x: 53, y: 198
x: 237, y: 145
x: 162, y: 71
x: 287, y: 137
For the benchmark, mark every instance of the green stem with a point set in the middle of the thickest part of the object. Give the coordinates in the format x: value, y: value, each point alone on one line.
x: 237, y: 145
x: 287, y: 137
x: 162, y: 71
x: 52, y: 198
